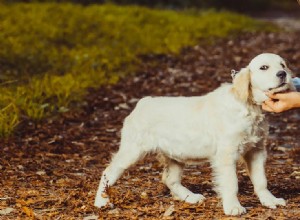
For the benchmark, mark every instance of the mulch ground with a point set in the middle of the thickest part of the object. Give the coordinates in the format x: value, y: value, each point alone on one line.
x: 51, y: 170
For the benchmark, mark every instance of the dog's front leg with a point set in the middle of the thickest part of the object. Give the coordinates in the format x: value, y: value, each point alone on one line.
x: 255, y: 160
x: 224, y: 166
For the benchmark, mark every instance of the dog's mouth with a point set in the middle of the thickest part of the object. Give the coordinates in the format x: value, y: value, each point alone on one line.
x: 283, y: 87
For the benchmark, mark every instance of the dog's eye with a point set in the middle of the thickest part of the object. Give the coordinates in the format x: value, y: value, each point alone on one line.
x: 282, y: 65
x: 264, y: 67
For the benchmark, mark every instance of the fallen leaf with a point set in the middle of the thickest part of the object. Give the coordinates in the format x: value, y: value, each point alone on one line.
x: 28, y: 211
x: 169, y: 211
x: 91, y: 217
x: 6, y: 211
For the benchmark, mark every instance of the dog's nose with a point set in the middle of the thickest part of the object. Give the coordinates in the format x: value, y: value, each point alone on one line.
x: 281, y: 74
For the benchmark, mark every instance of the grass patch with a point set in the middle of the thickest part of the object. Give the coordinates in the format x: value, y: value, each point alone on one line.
x: 51, y: 53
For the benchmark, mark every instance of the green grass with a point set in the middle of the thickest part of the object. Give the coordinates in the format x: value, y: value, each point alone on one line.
x: 51, y: 53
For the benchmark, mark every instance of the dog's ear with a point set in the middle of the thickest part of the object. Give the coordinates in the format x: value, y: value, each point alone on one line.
x: 241, y: 85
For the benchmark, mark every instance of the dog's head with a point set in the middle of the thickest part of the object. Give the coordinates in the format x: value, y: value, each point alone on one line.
x: 266, y: 72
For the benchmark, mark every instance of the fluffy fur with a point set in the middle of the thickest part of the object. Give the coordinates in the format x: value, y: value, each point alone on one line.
x: 221, y: 126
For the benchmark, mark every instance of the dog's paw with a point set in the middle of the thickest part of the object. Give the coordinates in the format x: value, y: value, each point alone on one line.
x: 194, y: 198
x: 235, y: 209
x: 101, y: 202
x: 272, y: 202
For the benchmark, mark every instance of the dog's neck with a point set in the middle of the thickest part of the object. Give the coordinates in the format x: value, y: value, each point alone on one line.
x: 255, y: 110
x: 258, y: 96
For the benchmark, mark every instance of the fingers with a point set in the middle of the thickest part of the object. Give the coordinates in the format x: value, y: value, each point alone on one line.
x: 273, y: 95
x: 278, y: 96
x: 267, y: 106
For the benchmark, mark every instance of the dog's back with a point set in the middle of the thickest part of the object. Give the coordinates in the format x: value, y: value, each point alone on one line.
x: 186, y: 128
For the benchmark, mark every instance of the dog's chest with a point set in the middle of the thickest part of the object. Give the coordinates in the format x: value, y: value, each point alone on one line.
x: 254, y: 132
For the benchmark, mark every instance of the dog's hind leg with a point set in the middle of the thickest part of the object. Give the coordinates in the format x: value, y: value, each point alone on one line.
x: 172, y: 178
x: 128, y: 155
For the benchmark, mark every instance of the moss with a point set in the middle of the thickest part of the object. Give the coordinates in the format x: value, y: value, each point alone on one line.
x: 53, y: 52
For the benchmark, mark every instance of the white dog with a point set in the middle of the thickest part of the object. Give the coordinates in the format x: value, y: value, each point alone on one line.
x: 220, y: 126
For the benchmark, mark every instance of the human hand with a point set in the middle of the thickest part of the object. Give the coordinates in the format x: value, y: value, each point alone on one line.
x: 281, y: 102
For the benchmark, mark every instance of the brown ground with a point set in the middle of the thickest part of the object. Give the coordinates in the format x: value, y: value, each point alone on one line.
x: 51, y: 170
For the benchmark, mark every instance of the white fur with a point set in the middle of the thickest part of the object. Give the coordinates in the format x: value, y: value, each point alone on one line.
x: 264, y: 80
x: 221, y: 126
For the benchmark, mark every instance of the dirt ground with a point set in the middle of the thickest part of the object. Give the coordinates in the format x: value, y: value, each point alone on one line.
x: 51, y: 170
